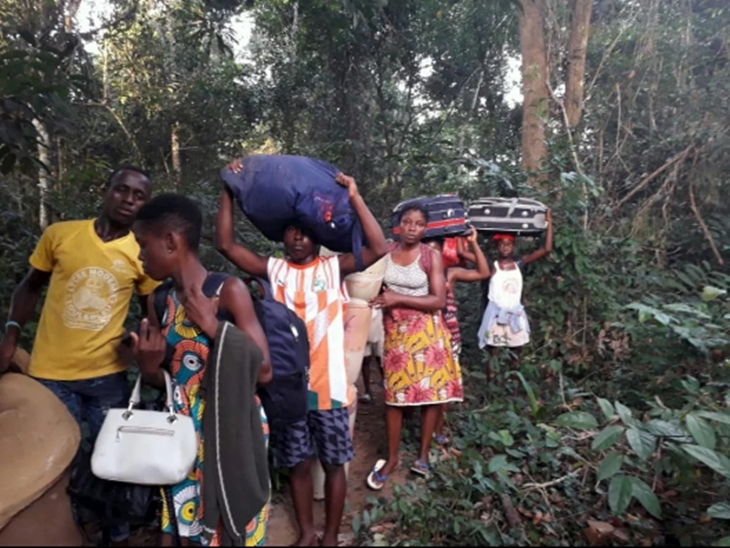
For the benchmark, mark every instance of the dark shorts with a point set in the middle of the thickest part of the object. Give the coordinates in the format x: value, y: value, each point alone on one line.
x: 324, y: 433
x: 88, y: 400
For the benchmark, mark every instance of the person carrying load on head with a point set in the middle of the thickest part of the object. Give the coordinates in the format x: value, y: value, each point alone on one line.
x: 418, y: 365
x: 504, y: 322
x: 311, y: 286
x: 453, y: 256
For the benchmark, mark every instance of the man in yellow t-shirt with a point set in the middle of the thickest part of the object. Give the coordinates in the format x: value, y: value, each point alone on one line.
x: 91, y: 268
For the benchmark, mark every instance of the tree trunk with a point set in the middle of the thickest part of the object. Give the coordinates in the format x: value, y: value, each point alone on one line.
x: 534, y: 87
x: 70, y: 9
x: 580, y: 24
x: 44, y: 175
x: 175, y: 148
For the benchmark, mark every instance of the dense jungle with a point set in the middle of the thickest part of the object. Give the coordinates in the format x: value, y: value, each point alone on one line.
x: 615, y: 113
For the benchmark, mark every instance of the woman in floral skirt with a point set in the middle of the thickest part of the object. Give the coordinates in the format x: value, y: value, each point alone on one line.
x: 418, y: 365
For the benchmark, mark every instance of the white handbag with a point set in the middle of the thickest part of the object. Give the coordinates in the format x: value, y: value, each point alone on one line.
x: 145, y: 447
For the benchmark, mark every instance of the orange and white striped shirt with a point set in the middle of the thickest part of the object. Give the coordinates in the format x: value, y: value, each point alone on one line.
x: 315, y: 293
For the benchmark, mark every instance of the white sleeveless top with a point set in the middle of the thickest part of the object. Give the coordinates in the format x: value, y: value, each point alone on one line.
x: 505, y: 287
x: 408, y: 280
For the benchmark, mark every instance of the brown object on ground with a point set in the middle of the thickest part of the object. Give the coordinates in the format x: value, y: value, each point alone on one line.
x: 38, y: 440
x: 598, y: 533
x: 513, y: 517
x: 48, y: 521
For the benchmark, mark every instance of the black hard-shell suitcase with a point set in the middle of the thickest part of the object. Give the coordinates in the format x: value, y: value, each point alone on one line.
x: 518, y: 216
x: 446, y: 215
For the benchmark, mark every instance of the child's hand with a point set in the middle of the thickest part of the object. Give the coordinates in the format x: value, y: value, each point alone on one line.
x: 472, y: 237
x: 236, y: 165
x: 200, y: 310
x: 348, y: 182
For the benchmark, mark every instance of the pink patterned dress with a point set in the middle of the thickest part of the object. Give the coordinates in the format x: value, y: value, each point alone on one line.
x: 418, y: 364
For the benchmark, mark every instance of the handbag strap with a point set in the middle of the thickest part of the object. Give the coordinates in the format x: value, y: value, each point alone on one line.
x: 136, y: 398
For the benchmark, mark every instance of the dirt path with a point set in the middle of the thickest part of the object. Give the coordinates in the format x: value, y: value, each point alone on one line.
x: 370, y: 444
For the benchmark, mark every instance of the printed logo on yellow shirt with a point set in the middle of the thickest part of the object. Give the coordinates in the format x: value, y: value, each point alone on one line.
x: 91, y: 294
x: 122, y: 267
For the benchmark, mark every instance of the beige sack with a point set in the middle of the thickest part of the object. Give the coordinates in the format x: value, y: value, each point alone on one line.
x: 38, y: 440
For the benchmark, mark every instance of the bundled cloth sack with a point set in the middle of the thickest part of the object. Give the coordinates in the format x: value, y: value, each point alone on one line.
x: 276, y: 191
x: 38, y: 441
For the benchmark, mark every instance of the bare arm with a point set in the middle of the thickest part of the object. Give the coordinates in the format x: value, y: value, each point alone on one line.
x: 545, y: 250
x: 22, y: 307
x: 436, y: 298
x: 26, y: 296
x: 374, y: 236
x: 245, y: 259
x: 465, y: 253
x: 238, y: 302
x: 482, y: 271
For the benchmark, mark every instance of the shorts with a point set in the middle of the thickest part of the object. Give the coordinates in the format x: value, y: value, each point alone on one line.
x: 327, y: 432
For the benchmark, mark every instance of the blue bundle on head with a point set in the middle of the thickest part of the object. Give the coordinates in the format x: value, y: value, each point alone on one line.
x: 276, y: 191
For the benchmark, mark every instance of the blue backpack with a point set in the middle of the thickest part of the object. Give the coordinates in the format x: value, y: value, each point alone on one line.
x: 275, y: 191
x: 286, y: 397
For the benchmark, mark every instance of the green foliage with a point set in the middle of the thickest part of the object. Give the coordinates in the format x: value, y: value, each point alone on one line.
x: 411, y: 98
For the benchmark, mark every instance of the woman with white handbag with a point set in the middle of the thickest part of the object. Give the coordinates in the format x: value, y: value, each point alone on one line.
x: 183, y: 331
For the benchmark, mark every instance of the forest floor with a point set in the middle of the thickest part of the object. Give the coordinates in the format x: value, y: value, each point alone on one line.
x: 370, y: 444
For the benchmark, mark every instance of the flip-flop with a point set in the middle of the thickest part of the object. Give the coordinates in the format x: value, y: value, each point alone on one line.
x: 441, y: 439
x: 421, y: 468
x: 365, y: 399
x: 375, y: 480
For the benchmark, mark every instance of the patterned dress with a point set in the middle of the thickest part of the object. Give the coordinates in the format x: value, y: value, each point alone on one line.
x: 419, y: 366
x: 191, y: 347
x: 451, y: 319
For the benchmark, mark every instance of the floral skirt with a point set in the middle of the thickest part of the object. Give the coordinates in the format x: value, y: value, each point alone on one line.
x: 419, y: 366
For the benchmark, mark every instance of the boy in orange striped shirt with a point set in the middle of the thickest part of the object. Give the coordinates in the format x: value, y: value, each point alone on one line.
x: 311, y: 286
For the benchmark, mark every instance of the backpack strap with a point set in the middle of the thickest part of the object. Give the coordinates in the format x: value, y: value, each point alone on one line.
x: 213, y: 284
x: 212, y: 287
x: 160, y: 300
x: 263, y: 284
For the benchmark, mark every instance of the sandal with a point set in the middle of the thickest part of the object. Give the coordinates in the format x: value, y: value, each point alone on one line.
x: 375, y: 480
x: 421, y: 468
x: 441, y: 439
x: 365, y: 399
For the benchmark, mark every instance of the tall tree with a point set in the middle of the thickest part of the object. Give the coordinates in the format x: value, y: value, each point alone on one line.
x: 577, y: 44
x: 534, y: 87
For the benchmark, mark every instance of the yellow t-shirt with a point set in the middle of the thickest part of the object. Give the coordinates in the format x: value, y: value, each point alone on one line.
x: 88, y: 298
